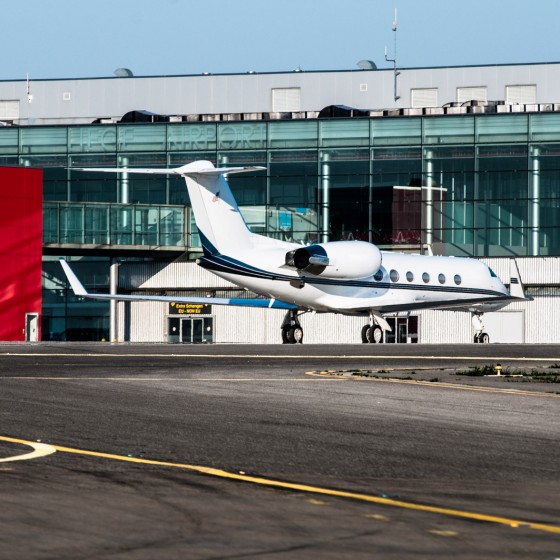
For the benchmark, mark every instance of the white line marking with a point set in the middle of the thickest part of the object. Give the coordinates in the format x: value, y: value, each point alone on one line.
x: 39, y: 450
x: 260, y: 379
x: 281, y: 357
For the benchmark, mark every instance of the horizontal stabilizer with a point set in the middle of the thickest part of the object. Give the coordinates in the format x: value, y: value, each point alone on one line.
x: 79, y: 290
x: 195, y: 168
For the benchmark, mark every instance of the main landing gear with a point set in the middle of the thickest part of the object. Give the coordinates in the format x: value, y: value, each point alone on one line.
x: 372, y: 333
x: 292, y: 331
x: 480, y: 337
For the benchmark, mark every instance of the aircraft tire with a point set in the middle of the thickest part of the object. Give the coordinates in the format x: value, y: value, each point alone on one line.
x: 374, y: 334
x: 295, y: 335
x: 484, y: 338
x: 364, y: 334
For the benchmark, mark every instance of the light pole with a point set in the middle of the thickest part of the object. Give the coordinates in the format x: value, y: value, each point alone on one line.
x: 394, y: 59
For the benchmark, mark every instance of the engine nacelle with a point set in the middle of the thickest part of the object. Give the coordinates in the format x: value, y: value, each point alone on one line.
x: 337, y: 259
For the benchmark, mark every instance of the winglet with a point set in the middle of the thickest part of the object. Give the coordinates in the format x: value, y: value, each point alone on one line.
x: 516, y: 288
x: 76, y: 285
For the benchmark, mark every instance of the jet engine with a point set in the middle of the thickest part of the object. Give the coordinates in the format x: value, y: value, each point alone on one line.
x: 336, y: 259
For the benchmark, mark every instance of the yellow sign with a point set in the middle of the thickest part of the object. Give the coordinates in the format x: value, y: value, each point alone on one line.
x: 189, y: 308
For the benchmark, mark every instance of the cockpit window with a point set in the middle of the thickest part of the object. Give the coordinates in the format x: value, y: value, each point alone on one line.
x: 492, y: 273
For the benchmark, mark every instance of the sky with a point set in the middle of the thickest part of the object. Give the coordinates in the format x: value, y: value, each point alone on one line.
x: 51, y: 39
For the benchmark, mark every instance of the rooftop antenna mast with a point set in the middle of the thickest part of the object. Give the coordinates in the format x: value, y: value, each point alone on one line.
x: 29, y: 94
x: 394, y: 59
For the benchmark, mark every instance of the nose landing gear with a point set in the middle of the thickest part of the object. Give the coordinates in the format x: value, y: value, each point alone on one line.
x: 480, y: 337
x: 373, y: 332
x: 292, y: 331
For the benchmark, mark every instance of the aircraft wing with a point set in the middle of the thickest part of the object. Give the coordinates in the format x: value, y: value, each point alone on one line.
x: 79, y: 290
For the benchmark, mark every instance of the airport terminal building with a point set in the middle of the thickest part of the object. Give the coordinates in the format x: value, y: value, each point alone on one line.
x: 461, y: 161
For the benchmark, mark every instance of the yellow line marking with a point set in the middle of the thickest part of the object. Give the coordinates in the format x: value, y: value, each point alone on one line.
x: 444, y: 533
x: 39, y: 450
x: 378, y: 517
x: 327, y: 375
x: 317, y: 490
x: 436, y: 384
x: 317, y: 502
x: 277, y: 356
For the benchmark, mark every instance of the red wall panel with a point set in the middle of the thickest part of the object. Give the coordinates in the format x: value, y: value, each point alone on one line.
x: 21, y: 230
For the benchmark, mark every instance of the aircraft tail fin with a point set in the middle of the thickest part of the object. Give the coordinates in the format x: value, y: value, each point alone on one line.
x: 220, y: 224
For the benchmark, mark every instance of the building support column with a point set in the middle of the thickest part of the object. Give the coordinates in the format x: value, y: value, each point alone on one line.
x: 124, y: 198
x: 428, y: 199
x: 535, y: 202
x: 325, y: 197
x: 124, y: 193
x: 113, y: 288
x: 370, y: 212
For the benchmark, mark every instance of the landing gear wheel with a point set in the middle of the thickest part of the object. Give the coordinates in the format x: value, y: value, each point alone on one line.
x: 292, y: 331
x: 364, y: 333
x: 374, y: 334
x: 294, y: 335
x: 483, y: 338
x: 377, y: 334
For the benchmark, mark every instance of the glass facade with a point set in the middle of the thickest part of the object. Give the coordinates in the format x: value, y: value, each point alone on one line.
x: 474, y: 184
x: 113, y: 224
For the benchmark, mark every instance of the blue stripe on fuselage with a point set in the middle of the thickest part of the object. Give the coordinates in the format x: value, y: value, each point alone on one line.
x: 221, y: 263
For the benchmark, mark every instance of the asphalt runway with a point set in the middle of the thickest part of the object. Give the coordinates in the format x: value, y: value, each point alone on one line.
x: 277, y: 452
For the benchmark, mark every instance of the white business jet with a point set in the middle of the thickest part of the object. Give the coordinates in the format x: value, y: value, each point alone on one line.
x: 347, y: 277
